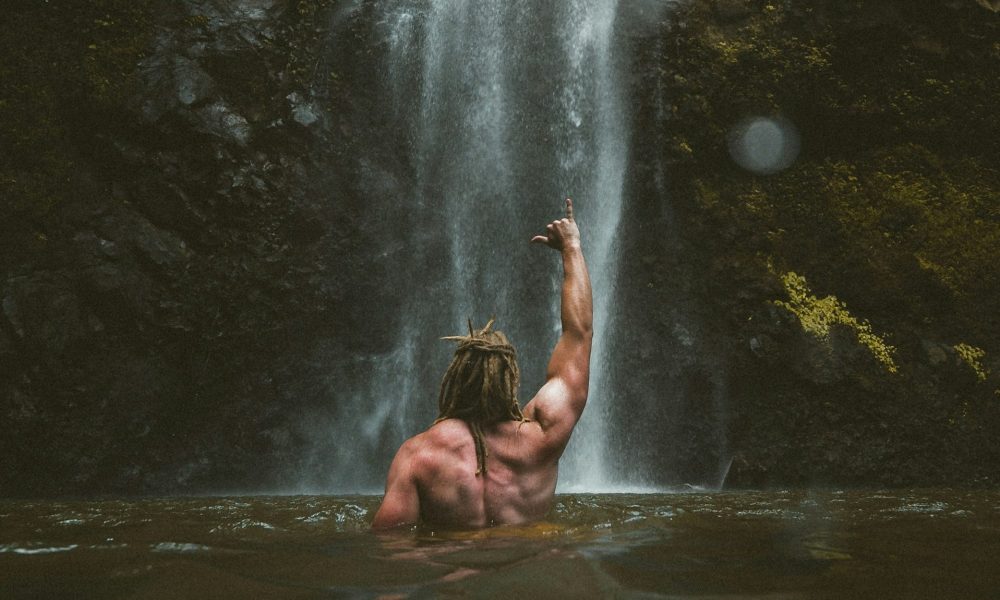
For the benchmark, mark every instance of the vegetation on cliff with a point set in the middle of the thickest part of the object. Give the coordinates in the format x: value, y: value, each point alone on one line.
x: 890, y: 212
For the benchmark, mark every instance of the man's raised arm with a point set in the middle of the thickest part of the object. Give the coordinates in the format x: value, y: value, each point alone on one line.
x: 558, y: 405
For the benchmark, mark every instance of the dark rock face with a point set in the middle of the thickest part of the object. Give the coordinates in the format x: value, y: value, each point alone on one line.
x: 186, y: 244
x: 804, y: 407
x: 733, y: 10
x: 155, y: 319
x: 992, y: 5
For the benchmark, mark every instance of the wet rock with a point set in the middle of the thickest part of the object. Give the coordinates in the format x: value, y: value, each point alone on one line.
x: 95, y: 324
x: 192, y: 83
x: 733, y: 10
x: 159, y: 94
x: 6, y: 343
x: 96, y: 248
x: 106, y: 310
x: 105, y: 278
x: 160, y: 247
x: 22, y: 408
x: 764, y: 346
x: 253, y: 10
x: 235, y: 24
x: 218, y: 119
x: 44, y: 312
x: 937, y: 354
x: 13, y: 316
x: 304, y: 113
x: 167, y: 205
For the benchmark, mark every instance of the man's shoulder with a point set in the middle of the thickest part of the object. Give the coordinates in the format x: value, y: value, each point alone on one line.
x: 443, y: 434
x: 447, y: 433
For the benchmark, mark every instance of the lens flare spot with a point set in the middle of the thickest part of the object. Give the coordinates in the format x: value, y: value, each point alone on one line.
x: 764, y: 145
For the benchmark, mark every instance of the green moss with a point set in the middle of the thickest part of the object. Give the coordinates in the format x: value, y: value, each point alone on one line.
x: 196, y: 21
x: 973, y: 357
x: 818, y: 315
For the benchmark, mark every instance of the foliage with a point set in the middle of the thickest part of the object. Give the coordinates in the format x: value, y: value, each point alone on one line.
x: 817, y: 315
x: 892, y: 202
x: 973, y: 357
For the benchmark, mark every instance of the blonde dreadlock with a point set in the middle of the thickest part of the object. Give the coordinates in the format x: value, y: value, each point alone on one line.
x: 480, y: 386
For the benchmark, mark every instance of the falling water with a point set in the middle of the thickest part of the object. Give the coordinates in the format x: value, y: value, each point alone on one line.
x: 596, y: 160
x: 500, y: 109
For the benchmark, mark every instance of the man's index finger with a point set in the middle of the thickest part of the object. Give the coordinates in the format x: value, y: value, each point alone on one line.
x: 569, y: 209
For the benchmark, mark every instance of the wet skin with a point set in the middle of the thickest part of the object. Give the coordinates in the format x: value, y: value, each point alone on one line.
x: 433, y: 477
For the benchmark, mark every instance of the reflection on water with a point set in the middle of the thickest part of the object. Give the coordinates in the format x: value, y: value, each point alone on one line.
x: 925, y: 544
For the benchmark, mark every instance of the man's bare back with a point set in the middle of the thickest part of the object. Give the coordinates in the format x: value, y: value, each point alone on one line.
x: 435, y: 477
x: 517, y: 487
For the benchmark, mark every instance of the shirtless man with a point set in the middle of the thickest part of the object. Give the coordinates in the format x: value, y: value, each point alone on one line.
x: 484, y: 462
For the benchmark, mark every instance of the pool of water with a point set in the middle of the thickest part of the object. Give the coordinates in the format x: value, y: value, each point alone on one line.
x: 790, y: 544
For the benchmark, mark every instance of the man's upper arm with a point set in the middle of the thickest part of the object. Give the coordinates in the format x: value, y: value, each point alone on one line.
x: 559, y: 403
x: 401, y: 504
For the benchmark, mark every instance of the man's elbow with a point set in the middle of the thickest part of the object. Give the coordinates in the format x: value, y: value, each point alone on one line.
x: 583, y: 332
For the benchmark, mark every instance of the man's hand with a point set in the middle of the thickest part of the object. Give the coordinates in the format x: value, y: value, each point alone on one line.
x: 561, y: 234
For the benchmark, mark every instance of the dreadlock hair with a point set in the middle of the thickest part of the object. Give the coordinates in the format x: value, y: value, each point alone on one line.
x: 480, y: 386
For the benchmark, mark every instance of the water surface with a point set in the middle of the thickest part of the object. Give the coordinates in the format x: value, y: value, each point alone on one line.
x: 793, y: 544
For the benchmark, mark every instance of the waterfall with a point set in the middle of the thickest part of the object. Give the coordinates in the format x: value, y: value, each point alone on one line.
x: 594, y: 158
x: 499, y: 109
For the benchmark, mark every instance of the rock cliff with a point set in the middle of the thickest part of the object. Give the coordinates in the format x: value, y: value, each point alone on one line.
x: 186, y: 247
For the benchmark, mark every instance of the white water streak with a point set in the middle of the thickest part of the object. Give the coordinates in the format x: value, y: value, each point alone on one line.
x: 593, y: 81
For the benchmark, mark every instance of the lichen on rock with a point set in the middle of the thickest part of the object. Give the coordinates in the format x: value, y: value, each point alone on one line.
x: 817, y: 315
